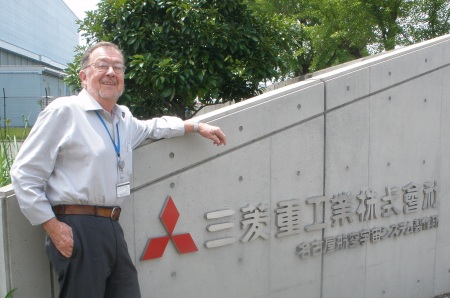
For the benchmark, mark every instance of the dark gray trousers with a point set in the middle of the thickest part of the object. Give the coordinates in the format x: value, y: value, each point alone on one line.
x: 100, y: 265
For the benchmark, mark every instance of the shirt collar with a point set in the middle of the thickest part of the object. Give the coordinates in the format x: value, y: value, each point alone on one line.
x: 90, y: 104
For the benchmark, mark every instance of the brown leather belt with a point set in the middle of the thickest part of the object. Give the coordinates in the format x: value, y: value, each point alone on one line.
x: 110, y: 212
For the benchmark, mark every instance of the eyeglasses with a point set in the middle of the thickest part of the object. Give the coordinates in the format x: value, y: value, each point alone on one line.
x: 101, y: 66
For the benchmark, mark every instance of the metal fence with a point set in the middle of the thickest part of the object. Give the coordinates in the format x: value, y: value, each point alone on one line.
x: 16, y: 111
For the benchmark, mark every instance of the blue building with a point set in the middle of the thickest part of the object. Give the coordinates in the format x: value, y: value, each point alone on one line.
x: 37, y: 40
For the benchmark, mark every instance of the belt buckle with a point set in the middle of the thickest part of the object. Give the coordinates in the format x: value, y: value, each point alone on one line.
x: 115, y: 210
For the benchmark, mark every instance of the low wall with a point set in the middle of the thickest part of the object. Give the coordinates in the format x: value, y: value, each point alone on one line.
x: 331, y: 187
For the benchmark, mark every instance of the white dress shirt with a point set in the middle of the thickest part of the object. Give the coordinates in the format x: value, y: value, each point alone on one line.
x: 69, y: 157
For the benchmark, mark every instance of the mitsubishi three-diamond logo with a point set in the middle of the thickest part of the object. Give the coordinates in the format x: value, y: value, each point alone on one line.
x: 183, y: 242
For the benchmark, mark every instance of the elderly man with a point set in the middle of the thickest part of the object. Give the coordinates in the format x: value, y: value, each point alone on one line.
x: 73, y: 173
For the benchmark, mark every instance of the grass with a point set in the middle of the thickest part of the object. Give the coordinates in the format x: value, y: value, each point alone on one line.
x: 20, y: 133
x: 10, y: 138
x: 8, y: 133
x: 8, y: 150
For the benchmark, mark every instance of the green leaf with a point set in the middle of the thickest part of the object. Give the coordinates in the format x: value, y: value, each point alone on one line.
x: 10, y: 293
x: 167, y: 92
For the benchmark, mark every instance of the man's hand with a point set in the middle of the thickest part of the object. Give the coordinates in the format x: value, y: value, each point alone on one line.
x: 213, y: 133
x: 61, y: 236
x: 207, y: 131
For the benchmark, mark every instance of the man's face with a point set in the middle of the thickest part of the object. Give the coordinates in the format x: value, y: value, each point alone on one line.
x: 104, y: 84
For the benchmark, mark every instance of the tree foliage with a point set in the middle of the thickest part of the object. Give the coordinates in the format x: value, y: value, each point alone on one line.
x: 425, y: 19
x: 336, y: 31
x: 73, y: 70
x: 331, y: 31
x: 182, y: 51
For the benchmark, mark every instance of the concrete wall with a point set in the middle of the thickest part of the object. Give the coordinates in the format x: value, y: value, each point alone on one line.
x: 302, y: 201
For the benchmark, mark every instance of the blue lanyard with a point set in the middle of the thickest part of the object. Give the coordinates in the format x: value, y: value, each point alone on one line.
x: 116, y: 147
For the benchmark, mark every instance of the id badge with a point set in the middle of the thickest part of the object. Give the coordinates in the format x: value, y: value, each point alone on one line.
x: 123, y: 189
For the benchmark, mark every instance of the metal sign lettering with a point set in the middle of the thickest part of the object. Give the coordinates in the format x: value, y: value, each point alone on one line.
x: 369, y: 207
